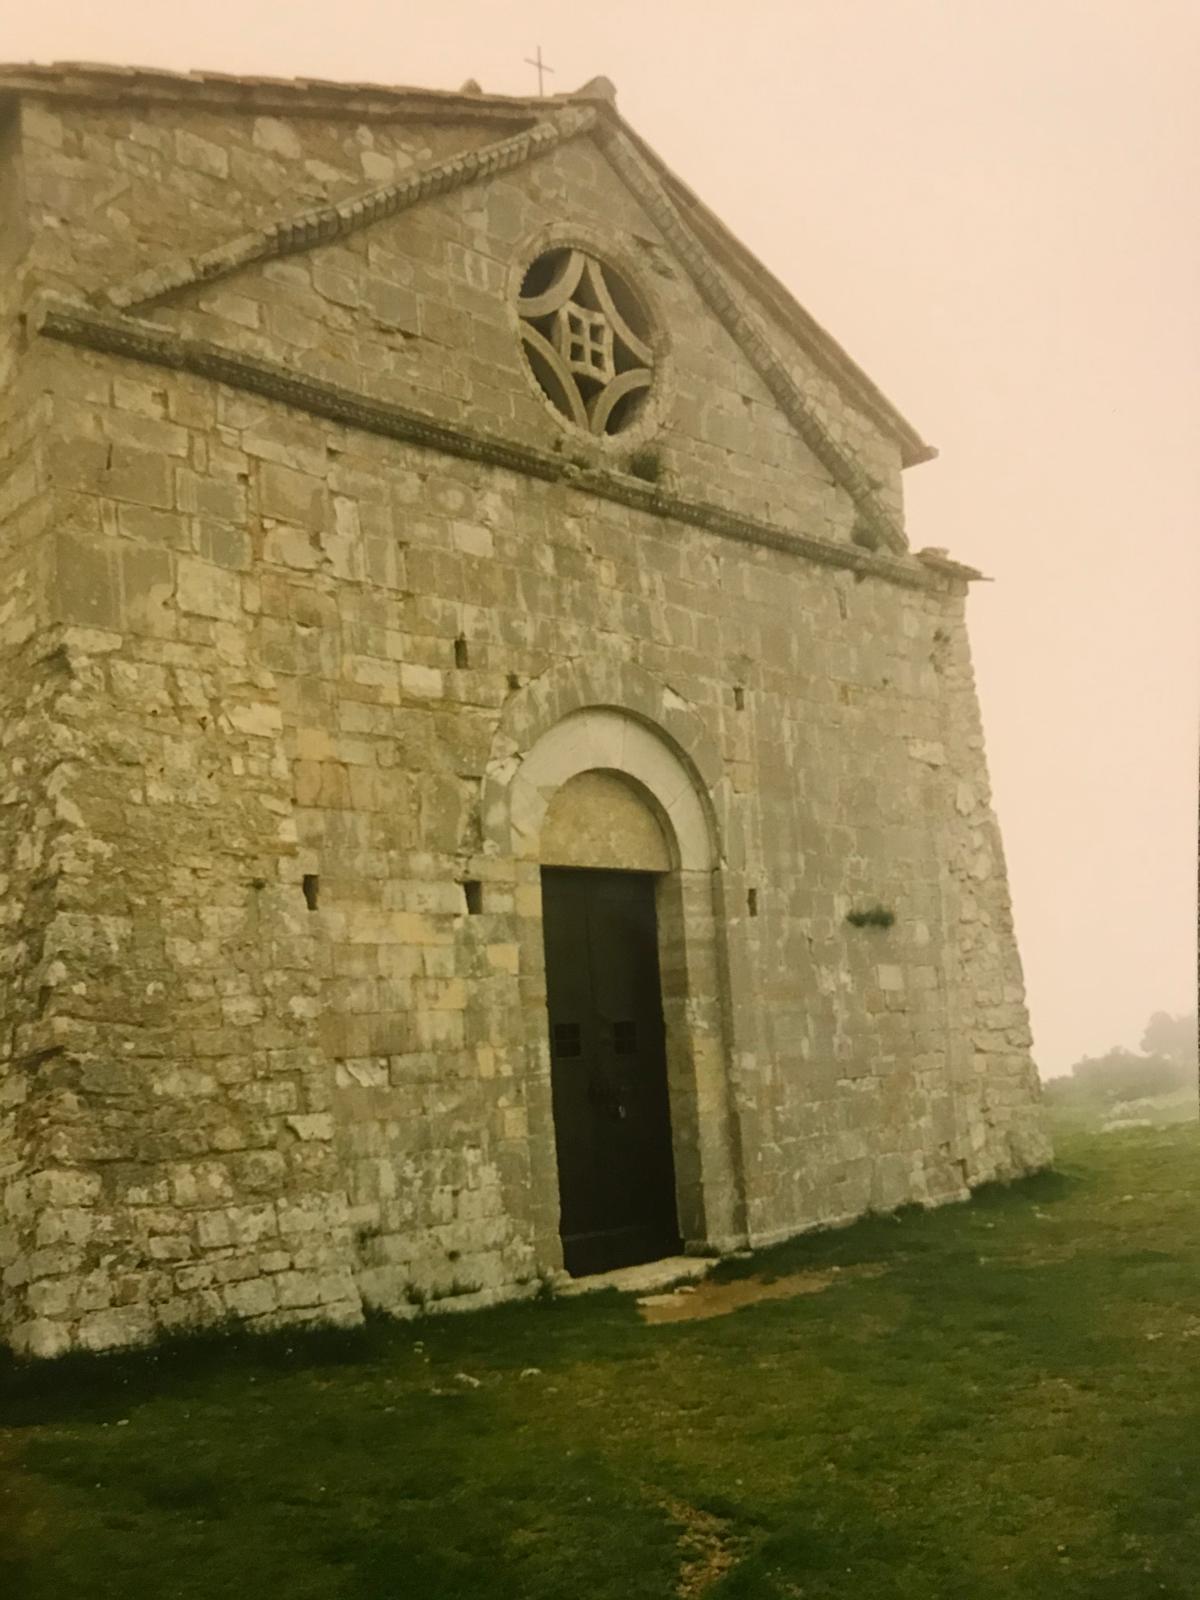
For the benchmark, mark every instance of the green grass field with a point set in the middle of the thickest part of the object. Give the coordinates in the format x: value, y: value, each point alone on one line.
x: 1007, y: 1407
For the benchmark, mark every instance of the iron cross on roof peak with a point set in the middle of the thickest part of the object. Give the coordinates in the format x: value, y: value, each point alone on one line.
x: 542, y: 69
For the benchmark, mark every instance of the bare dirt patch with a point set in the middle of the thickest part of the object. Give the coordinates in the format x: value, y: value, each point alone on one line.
x: 707, y: 1546
x: 693, y: 1303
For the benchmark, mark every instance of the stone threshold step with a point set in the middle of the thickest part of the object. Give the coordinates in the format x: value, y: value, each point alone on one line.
x: 649, y: 1277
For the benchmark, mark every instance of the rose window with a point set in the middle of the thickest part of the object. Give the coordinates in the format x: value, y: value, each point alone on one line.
x: 586, y: 337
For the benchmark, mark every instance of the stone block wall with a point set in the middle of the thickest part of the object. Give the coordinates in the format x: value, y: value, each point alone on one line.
x: 29, y: 751
x: 283, y: 1061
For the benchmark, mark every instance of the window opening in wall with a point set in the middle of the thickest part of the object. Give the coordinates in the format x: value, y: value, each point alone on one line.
x: 625, y: 1038
x: 752, y: 902
x: 739, y: 698
x: 473, y: 892
x: 587, y: 339
x: 462, y: 656
x: 310, y: 884
x: 567, y: 1040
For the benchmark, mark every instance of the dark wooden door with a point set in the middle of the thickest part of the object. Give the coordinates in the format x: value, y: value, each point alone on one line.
x: 612, y: 1117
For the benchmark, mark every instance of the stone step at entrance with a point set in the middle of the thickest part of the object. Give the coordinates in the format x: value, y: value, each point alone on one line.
x: 650, y: 1277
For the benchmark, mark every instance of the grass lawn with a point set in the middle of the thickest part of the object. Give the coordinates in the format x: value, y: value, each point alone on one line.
x: 1005, y: 1407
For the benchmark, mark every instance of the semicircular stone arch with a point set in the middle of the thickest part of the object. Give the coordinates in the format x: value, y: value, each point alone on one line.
x: 606, y: 740
x: 611, y: 716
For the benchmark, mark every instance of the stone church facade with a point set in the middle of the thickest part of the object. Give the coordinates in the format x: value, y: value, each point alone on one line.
x: 418, y: 512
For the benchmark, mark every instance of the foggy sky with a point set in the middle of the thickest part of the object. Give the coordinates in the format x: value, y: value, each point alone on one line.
x: 994, y: 205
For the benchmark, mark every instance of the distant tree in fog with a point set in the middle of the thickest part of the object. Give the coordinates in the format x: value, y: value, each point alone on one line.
x: 1124, y: 1075
x: 1166, y: 1035
x: 1120, y: 1075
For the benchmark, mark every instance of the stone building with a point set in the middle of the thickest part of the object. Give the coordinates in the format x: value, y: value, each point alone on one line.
x: 485, y: 781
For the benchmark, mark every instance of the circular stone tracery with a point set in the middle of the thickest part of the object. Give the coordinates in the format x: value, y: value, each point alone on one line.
x: 587, y: 339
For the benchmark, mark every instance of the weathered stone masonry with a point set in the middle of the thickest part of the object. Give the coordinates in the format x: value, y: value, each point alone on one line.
x: 321, y: 633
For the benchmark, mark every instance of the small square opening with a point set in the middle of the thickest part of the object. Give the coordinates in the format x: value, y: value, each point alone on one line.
x: 566, y: 1041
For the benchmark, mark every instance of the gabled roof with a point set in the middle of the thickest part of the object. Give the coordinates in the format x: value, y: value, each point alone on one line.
x: 101, y: 82
x: 318, y: 96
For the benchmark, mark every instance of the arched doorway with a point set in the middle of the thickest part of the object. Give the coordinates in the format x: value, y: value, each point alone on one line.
x: 603, y: 854
x: 597, y: 768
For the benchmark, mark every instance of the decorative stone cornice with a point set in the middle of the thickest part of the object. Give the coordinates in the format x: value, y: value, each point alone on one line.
x: 78, y: 324
x: 939, y: 561
x: 324, y: 224
x: 715, y: 292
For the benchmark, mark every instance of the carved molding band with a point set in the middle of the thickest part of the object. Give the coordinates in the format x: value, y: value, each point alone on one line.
x: 326, y: 223
x: 78, y: 324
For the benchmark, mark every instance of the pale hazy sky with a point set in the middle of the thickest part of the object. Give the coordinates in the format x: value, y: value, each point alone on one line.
x: 995, y: 206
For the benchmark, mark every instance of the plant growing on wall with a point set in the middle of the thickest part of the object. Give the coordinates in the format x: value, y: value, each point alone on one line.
x: 873, y: 917
x: 647, y: 465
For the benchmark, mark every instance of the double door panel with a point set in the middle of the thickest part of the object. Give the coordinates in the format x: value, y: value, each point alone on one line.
x: 608, y: 1069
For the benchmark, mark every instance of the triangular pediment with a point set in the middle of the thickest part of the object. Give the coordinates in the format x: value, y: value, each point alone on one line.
x: 677, y: 228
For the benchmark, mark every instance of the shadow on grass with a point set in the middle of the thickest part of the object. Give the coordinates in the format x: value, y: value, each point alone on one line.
x: 1048, y: 1187
x: 89, y: 1385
